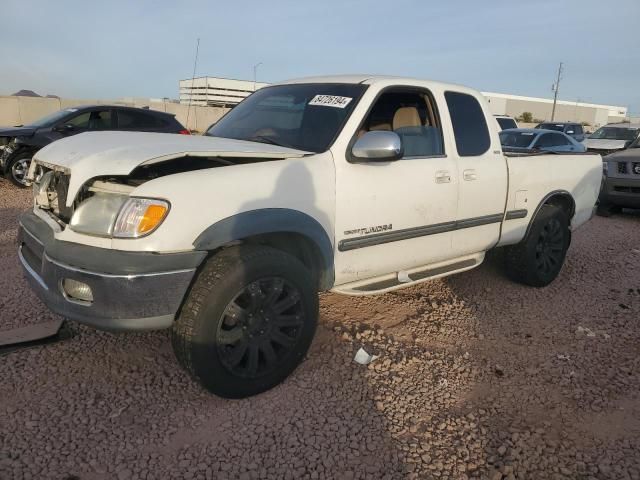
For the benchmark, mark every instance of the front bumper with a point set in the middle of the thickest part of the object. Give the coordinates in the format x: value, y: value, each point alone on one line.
x: 622, y: 192
x: 131, y: 290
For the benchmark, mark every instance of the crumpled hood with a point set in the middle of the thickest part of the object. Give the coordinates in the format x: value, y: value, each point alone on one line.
x: 603, y: 144
x: 95, y: 154
x: 17, y: 131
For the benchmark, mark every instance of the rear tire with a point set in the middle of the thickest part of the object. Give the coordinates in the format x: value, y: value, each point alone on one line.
x: 538, y: 259
x: 247, y: 322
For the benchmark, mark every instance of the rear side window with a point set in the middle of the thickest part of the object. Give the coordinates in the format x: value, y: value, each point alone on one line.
x: 133, y: 120
x: 469, y: 124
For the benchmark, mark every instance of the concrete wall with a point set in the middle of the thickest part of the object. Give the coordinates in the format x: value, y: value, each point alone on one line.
x: 23, y: 110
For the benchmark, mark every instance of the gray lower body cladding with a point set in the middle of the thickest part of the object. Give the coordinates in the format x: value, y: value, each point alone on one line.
x: 131, y: 290
x: 623, y: 192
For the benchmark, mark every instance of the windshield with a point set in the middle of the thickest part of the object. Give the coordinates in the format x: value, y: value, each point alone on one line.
x: 506, y: 123
x: 516, y: 139
x: 52, y: 118
x: 551, y: 126
x: 615, y: 133
x: 301, y: 116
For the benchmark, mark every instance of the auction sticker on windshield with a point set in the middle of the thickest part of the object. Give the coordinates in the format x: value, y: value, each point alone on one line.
x: 330, y: 101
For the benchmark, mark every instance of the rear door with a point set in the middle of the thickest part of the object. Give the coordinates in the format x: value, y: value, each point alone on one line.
x: 482, y: 170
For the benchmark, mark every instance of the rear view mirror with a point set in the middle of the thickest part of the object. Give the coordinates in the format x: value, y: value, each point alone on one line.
x: 377, y: 146
x: 570, y: 132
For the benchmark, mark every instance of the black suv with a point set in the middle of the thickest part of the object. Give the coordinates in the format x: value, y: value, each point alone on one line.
x: 19, y: 144
x: 572, y: 129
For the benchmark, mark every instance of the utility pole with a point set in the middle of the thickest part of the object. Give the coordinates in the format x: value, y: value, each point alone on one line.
x: 255, y: 71
x: 556, y: 87
x: 193, y: 77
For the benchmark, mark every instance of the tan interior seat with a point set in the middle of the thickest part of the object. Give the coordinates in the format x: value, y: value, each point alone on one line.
x: 406, y: 117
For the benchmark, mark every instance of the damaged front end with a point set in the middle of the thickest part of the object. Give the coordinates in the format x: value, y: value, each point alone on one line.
x: 100, y: 201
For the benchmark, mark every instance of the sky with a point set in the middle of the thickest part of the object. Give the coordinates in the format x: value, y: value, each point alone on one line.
x: 142, y: 48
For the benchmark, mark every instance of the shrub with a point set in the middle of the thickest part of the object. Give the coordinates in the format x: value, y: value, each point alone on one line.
x: 526, y: 117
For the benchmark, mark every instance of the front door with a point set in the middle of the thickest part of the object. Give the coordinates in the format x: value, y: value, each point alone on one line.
x: 394, y: 216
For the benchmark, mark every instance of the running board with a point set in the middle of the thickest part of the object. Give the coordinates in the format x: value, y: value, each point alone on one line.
x: 395, y: 281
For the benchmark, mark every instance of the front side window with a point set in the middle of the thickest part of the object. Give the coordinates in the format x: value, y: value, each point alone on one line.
x: 412, y: 115
x: 469, y: 124
x: 96, y: 120
x: 551, y: 140
x: 302, y: 116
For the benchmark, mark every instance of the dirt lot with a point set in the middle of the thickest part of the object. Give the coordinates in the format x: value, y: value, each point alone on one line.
x: 477, y: 378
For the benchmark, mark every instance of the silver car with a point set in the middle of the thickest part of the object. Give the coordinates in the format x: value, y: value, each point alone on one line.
x: 536, y: 139
x: 612, y: 138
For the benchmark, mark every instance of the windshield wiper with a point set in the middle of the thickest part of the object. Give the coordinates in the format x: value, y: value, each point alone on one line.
x: 269, y: 140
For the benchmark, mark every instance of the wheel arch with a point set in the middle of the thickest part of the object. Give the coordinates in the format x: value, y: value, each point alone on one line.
x: 288, y: 230
x: 559, y: 198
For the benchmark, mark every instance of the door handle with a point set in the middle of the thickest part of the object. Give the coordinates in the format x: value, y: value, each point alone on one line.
x: 469, y: 175
x: 443, y: 176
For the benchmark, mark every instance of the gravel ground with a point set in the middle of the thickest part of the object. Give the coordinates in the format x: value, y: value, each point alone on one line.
x: 477, y: 377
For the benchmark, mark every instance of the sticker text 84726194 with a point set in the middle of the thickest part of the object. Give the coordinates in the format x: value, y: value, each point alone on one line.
x: 330, y: 101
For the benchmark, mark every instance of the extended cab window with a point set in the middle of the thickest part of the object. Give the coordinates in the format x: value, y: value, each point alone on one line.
x: 413, y: 116
x: 469, y: 124
x: 302, y: 116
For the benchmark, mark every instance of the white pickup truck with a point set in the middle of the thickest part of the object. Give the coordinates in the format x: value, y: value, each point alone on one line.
x: 355, y: 184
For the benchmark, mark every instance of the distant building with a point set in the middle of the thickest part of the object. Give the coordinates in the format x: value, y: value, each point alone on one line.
x: 225, y: 92
x: 215, y: 91
x: 540, y: 109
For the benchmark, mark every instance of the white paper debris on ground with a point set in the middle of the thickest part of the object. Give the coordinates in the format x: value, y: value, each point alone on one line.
x: 587, y: 331
x: 563, y: 357
x: 363, y: 357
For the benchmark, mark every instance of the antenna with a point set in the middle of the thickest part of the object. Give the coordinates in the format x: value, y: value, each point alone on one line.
x: 193, y: 77
x: 555, y: 88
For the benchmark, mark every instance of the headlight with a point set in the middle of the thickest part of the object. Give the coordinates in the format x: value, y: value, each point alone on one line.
x: 139, y: 217
x: 118, y: 216
x: 97, y: 214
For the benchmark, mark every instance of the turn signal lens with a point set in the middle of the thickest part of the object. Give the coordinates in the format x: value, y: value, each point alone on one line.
x: 139, y: 217
x: 152, y: 217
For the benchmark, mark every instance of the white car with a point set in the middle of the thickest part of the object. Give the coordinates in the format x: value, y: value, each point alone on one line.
x: 359, y: 185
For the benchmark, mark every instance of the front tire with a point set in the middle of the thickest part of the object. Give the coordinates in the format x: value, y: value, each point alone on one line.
x: 538, y: 259
x: 247, y: 322
x: 18, y: 168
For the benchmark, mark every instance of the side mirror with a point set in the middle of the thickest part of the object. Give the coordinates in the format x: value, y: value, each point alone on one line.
x: 378, y: 146
x: 66, y: 128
